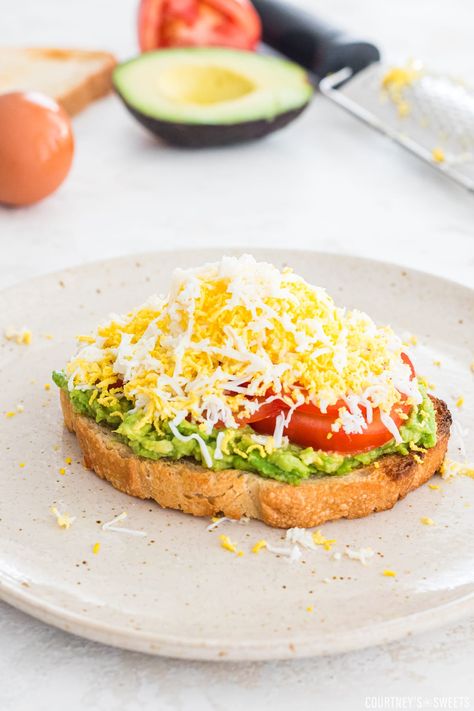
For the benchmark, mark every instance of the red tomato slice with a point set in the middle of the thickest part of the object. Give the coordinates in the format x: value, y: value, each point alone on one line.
x: 309, y: 427
x: 197, y: 23
x: 312, y: 431
x: 269, y: 409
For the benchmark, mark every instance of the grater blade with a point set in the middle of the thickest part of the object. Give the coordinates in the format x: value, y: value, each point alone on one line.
x: 431, y: 116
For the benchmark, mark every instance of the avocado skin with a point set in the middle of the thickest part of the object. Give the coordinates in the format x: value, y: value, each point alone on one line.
x: 193, y: 135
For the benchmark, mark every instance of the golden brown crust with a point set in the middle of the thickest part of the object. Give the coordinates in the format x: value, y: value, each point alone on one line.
x: 193, y: 489
x: 92, y: 87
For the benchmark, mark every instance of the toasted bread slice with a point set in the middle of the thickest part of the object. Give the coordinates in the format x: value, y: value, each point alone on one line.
x: 188, y: 487
x: 72, y: 77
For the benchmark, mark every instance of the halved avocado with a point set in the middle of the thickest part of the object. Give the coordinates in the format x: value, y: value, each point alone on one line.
x: 211, y: 96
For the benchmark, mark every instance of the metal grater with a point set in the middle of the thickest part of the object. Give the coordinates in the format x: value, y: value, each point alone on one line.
x: 437, y: 127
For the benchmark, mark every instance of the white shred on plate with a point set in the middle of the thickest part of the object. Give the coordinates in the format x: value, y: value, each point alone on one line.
x: 293, y: 553
x: 110, y: 526
x: 226, y: 519
x: 363, y: 554
x: 302, y: 537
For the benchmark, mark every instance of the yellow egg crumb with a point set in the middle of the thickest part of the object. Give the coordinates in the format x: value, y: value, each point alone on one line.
x: 411, y: 341
x: 96, y: 548
x: 321, y: 540
x: 62, y: 471
x: 22, y: 465
x: 259, y: 545
x: 240, y: 554
x: 227, y: 544
x: 395, y: 82
x: 389, y: 573
x: 310, y: 608
x: 460, y: 401
x: 47, y: 386
x: 10, y: 414
x: 22, y: 337
x: 438, y: 155
x: 437, y: 363
x: 63, y: 520
x: 426, y: 521
x: 434, y: 487
x: 68, y: 460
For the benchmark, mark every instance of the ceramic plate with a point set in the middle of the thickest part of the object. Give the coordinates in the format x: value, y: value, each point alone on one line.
x: 175, y: 591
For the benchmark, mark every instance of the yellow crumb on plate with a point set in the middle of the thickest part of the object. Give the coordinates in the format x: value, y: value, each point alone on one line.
x: 389, y: 574
x: 426, y: 521
x: 450, y: 469
x: 21, y: 337
x: 62, y: 471
x: 438, y: 155
x: 259, y: 545
x: 321, y: 540
x: 460, y: 401
x: 47, y: 386
x: 227, y: 544
x: 63, y: 520
x: 310, y: 608
x: 10, y: 414
x: 68, y: 460
x: 437, y: 363
x: 22, y: 465
x: 434, y: 487
x: 96, y: 548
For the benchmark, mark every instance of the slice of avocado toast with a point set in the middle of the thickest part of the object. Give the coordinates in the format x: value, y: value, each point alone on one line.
x: 212, y: 96
x: 248, y: 391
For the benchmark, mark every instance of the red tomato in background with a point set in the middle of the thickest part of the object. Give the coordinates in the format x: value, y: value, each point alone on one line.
x: 198, y: 23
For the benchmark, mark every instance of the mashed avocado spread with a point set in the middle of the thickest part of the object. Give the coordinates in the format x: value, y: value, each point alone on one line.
x: 240, y: 448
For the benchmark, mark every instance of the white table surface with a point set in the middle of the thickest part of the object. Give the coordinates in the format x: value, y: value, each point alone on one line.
x: 327, y: 183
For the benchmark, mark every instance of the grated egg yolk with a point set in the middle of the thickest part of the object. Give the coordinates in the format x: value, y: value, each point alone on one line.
x: 237, y: 330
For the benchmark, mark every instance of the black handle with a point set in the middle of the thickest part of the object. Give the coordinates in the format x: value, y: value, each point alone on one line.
x: 314, y: 44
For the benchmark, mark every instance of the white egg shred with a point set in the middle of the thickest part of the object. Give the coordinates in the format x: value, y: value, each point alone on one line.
x: 111, y: 526
x: 363, y: 555
x: 233, y: 334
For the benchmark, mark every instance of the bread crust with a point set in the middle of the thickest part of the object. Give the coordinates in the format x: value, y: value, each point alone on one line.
x: 81, y: 92
x: 193, y: 489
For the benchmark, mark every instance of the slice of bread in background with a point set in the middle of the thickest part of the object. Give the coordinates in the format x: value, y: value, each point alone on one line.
x: 186, y: 486
x: 74, y: 78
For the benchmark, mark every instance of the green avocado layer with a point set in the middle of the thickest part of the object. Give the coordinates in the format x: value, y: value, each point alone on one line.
x: 290, y: 464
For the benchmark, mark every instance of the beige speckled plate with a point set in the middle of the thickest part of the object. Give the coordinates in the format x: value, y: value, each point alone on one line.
x: 175, y: 591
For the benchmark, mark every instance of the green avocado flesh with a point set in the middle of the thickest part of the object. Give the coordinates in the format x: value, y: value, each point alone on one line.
x: 290, y: 464
x: 209, y: 96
